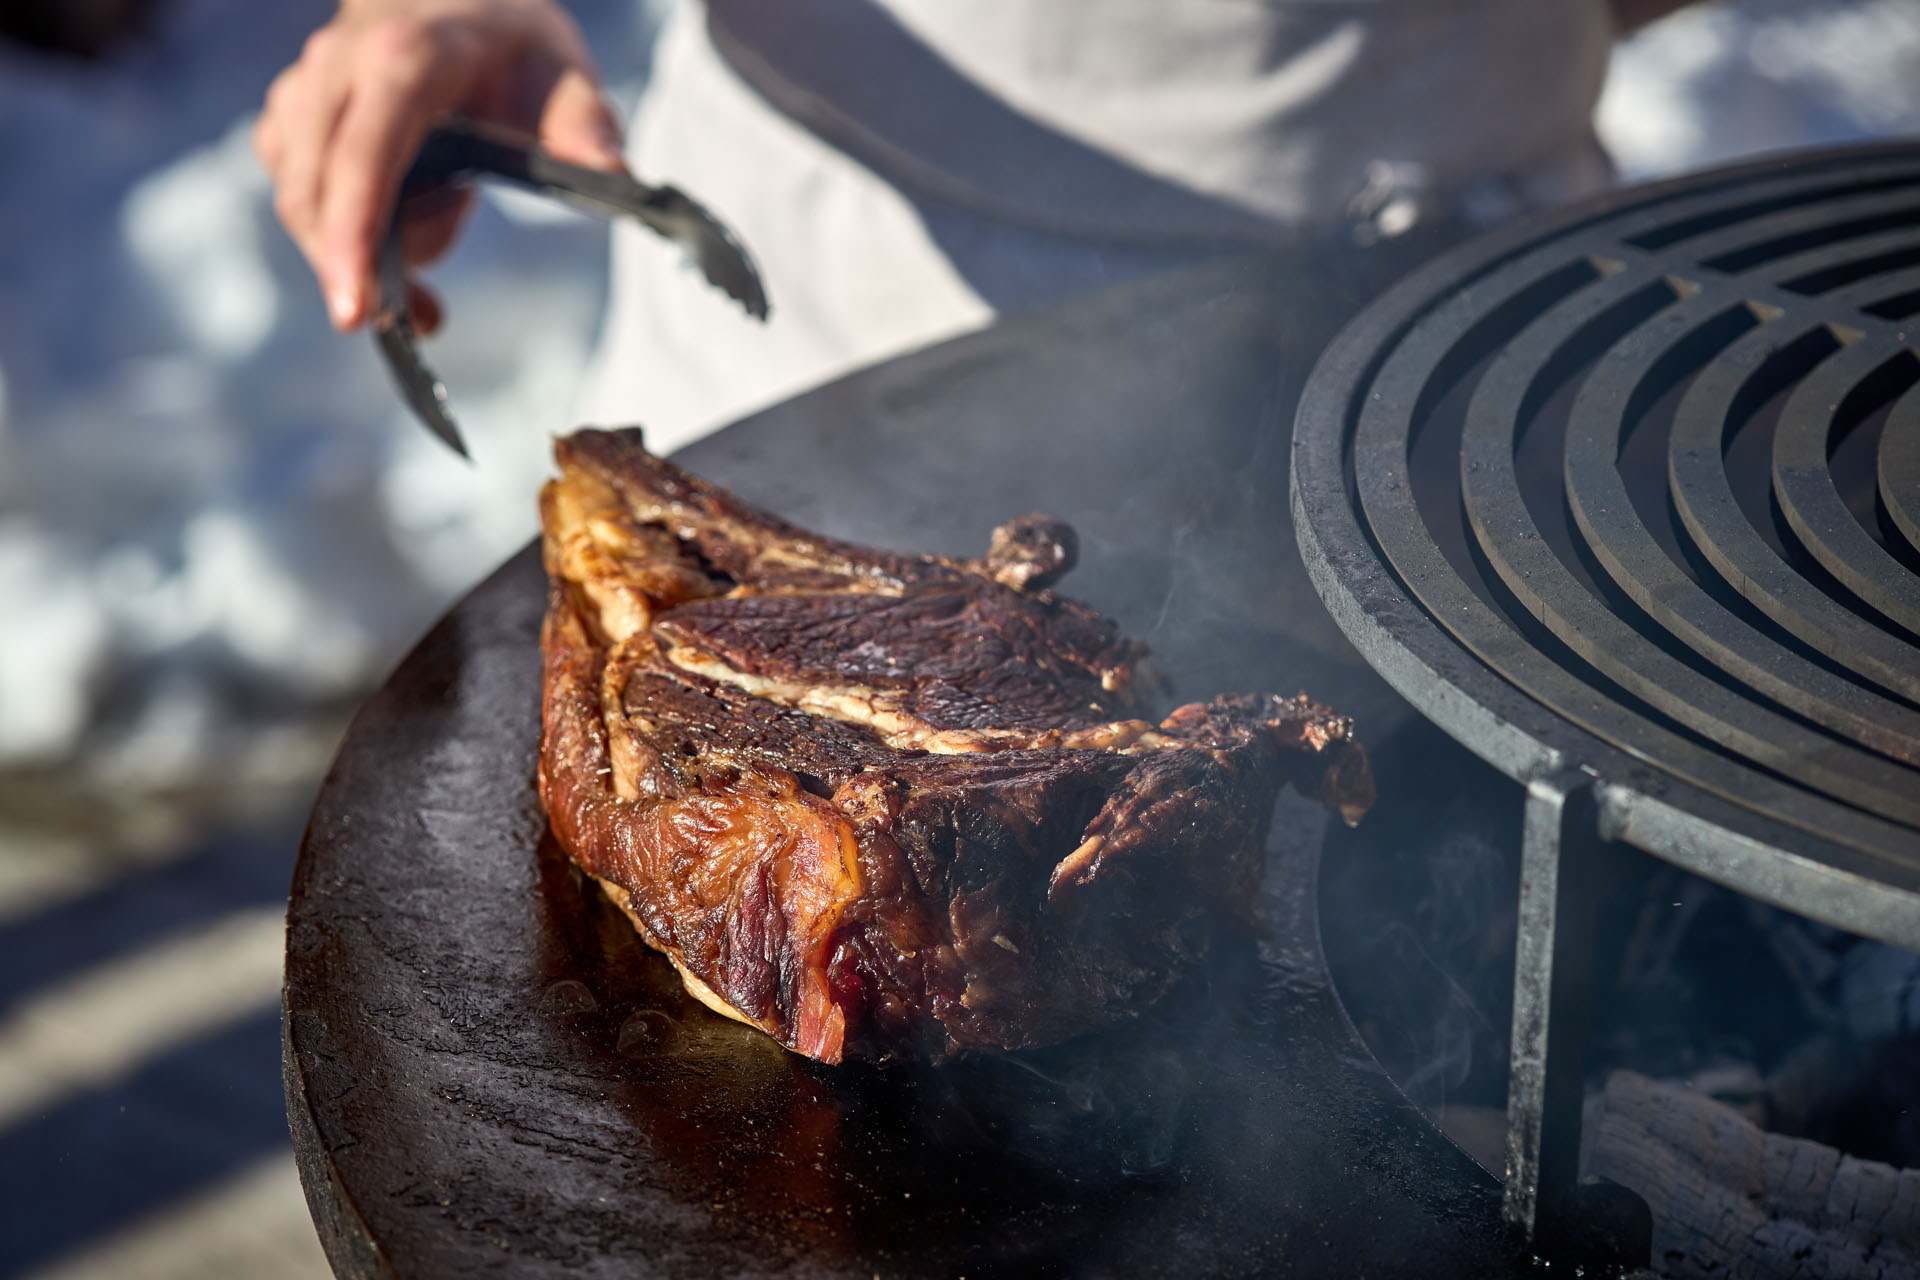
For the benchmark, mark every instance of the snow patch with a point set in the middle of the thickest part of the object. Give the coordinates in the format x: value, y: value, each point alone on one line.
x: 1861, y: 61
x: 236, y: 591
x: 52, y: 647
x: 192, y: 228
x: 1714, y: 83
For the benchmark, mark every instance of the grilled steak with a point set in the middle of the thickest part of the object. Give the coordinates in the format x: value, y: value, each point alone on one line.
x: 882, y: 805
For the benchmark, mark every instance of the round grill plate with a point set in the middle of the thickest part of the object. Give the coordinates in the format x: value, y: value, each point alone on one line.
x: 1634, y: 492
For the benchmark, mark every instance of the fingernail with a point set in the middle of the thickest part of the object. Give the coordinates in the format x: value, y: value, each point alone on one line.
x: 340, y: 304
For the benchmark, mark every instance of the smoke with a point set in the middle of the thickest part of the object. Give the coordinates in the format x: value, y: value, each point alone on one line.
x: 1417, y: 919
x: 1880, y: 992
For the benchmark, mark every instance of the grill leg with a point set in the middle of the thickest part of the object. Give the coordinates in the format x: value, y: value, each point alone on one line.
x: 1564, y: 872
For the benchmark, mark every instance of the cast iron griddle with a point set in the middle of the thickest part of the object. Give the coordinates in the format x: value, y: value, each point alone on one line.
x: 487, y: 1073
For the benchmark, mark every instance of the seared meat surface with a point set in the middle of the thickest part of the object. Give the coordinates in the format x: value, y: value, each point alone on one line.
x: 881, y: 805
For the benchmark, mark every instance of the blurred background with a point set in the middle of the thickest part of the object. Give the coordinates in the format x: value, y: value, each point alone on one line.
x: 218, y: 529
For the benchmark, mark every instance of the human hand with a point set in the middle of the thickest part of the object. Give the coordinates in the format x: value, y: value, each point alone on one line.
x: 342, y: 124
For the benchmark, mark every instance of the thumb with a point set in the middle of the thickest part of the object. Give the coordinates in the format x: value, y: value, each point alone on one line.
x: 577, y: 125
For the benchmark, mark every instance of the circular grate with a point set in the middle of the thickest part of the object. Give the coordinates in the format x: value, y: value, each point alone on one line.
x: 1636, y: 490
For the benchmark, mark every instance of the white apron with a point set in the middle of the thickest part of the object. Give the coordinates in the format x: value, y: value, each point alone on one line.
x: 903, y: 171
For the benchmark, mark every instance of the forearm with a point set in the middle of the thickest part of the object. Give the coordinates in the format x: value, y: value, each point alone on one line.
x: 1629, y: 15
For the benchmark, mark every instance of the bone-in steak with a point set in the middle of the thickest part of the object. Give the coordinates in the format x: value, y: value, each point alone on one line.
x: 882, y: 805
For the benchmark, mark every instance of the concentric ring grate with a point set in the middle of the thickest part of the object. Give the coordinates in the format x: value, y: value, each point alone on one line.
x: 1637, y: 491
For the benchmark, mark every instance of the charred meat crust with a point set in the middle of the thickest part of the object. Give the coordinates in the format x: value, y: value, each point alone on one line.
x: 881, y: 805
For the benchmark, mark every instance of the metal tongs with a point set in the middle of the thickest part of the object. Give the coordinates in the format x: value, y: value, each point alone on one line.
x: 463, y: 149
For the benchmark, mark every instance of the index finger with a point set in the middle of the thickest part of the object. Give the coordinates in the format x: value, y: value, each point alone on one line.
x: 385, y: 119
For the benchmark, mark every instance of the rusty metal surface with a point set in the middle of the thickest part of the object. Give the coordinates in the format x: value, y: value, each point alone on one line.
x: 488, y: 1075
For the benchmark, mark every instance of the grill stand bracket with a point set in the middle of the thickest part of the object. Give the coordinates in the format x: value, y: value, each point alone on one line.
x: 1566, y: 869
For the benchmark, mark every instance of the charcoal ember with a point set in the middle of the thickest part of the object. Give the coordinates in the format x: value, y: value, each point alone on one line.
x: 885, y: 806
